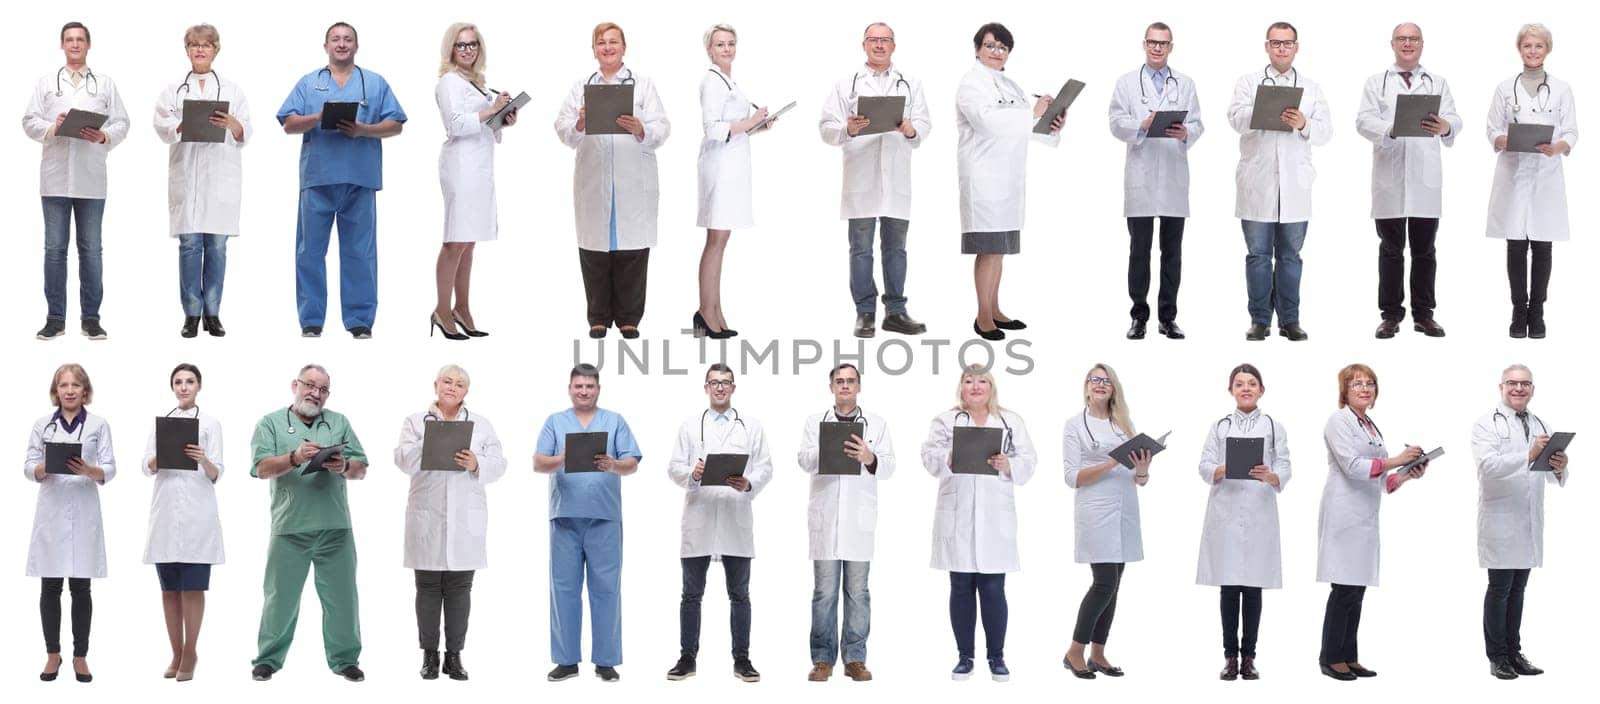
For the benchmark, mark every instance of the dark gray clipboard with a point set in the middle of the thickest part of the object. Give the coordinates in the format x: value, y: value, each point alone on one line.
x: 971, y: 448
x: 581, y: 449
x: 603, y: 104
x: 1123, y: 454
x: 831, y: 458
x: 196, y: 121
x: 79, y: 119
x: 1409, y: 112
x: 1526, y: 138
x: 1164, y: 119
x: 1558, y: 443
x: 441, y: 440
x: 1423, y: 459
x: 1243, y: 455
x: 172, y: 436
x: 1069, y: 92
x: 498, y: 120
x: 883, y: 112
x: 1271, y: 101
x: 337, y: 111
x: 323, y: 455
x: 722, y: 465
x: 56, y: 455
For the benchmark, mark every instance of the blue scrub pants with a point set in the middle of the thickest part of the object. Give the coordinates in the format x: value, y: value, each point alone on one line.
x: 356, y: 210
x: 579, y: 546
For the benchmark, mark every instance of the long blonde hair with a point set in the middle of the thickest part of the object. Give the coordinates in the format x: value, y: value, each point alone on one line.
x: 979, y: 372
x: 447, y: 53
x: 1117, y: 404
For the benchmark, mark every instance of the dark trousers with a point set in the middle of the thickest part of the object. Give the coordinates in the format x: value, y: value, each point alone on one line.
x: 1502, y: 613
x: 736, y: 572
x: 1237, y: 599
x: 1340, y: 621
x: 448, y: 594
x: 1524, y: 292
x: 1140, y: 233
x: 82, y: 612
x: 967, y: 591
x: 1099, y: 605
x: 614, y: 283
x: 1393, y: 234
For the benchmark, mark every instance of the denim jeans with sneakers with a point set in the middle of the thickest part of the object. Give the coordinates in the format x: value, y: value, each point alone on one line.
x: 58, y: 214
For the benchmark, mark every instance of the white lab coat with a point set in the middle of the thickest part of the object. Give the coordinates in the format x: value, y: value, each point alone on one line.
x: 1510, y: 496
x: 718, y: 520
x: 616, y: 164
x: 1275, y: 173
x: 70, y: 167
x: 1529, y: 197
x: 68, y: 538
x: 1239, y: 544
x: 1407, y: 172
x: 1347, y: 522
x: 877, y: 167
x: 724, y: 166
x: 1105, y: 514
x: 975, y: 519
x: 447, y: 513
x: 1155, y: 175
x: 205, y: 180
x: 842, y: 513
x: 466, y: 162
x: 184, y: 523
x: 994, y: 118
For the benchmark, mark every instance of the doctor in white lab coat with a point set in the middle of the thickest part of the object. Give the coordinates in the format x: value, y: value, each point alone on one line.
x: 72, y: 177
x: 1407, y: 181
x: 1505, y: 444
x: 447, y: 520
x: 1359, y: 474
x: 1273, y: 200
x: 1105, y: 511
x: 466, y: 172
x: 69, y: 541
x: 842, y: 518
x: 615, y: 189
x: 1528, y: 203
x: 1240, y: 549
x: 205, y: 180
x: 995, y: 125
x: 1155, y: 176
x: 975, y: 518
x: 718, y: 520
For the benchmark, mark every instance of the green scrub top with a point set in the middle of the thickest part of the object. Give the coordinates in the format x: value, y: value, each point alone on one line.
x: 311, y: 502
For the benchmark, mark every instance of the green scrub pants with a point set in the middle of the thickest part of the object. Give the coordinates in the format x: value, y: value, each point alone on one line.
x: 288, y: 558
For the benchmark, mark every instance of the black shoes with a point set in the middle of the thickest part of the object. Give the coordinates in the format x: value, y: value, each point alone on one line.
x: 607, y: 673
x: 630, y: 332
x: 703, y: 329
x: 1388, y: 328
x: 262, y: 672
x: 1247, y: 669
x: 1341, y: 676
x: 1010, y: 325
x: 1293, y: 331
x: 1085, y: 674
x: 351, y: 673
x: 743, y: 670
x: 430, y: 664
x: 1360, y: 671
x: 1171, y: 330
x: 1428, y: 327
x: 995, y: 334
x: 1230, y: 671
x: 435, y: 324
x: 903, y: 324
x: 1502, y: 669
x: 93, y: 331
x: 191, y: 326
x: 1519, y: 321
x: 463, y: 327
x: 1522, y: 667
x: 453, y: 667
x: 311, y: 331
x: 52, y: 328
x: 597, y: 331
x: 1256, y: 333
x: 866, y: 324
x: 213, y: 326
x: 683, y: 670
x: 1136, y: 330
x: 565, y: 672
x: 1107, y: 670
x: 361, y: 332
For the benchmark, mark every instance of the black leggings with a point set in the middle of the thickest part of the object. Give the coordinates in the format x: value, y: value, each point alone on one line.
x: 1525, y: 292
x: 50, y: 614
x: 1099, y: 605
x: 1340, y: 622
x: 1233, y: 597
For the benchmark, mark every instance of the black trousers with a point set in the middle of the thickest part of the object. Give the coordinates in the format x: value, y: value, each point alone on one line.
x: 449, y: 594
x: 1140, y: 233
x: 1502, y: 613
x: 1392, y: 236
x: 736, y: 575
x: 1099, y: 605
x: 1524, y: 292
x: 967, y: 591
x: 1340, y: 621
x: 614, y: 283
x: 1237, y: 599
x: 50, y: 613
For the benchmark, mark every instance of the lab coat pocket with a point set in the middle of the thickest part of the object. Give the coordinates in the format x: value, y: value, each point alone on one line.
x: 987, y: 186
x: 1305, y: 173
x: 478, y: 516
x: 867, y: 516
x: 944, y: 524
x: 1432, y: 169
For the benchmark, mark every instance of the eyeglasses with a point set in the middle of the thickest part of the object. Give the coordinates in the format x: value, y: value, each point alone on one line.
x: 468, y: 46
x: 1156, y: 44
x: 1099, y: 380
x: 880, y: 41
x: 720, y: 384
x: 1518, y: 383
x: 846, y: 381
x: 1362, y: 384
x: 200, y: 45
x: 996, y: 48
x: 1282, y: 43
x: 1408, y: 39
x: 322, y: 390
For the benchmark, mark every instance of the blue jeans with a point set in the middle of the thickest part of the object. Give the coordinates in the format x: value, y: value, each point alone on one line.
x: 967, y: 591
x: 57, y: 213
x: 202, y: 262
x: 736, y: 571
x: 825, y: 644
x: 1272, y: 270
x: 862, y: 288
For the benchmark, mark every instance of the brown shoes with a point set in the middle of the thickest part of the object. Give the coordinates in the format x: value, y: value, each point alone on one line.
x: 820, y: 672
x: 857, y: 671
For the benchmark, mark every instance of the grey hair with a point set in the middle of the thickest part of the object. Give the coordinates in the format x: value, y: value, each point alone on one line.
x: 1402, y: 24
x: 1515, y: 368
x: 712, y: 31
x: 1538, y: 30
x: 884, y: 25
x: 317, y: 367
x: 449, y: 369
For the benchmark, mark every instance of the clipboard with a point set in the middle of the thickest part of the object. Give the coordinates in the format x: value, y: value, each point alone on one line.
x: 1424, y: 459
x: 1410, y: 110
x: 883, y: 113
x: 172, y: 436
x: 1243, y: 455
x: 722, y: 465
x: 770, y: 118
x: 197, y: 125
x: 1124, y: 452
x: 581, y: 449
x: 603, y: 104
x: 1527, y: 138
x: 1558, y: 443
x: 56, y: 455
x: 971, y: 448
x: 1163, y: 120
x: 441, y: 440
x: 1069, y: 92
x: 831, y: 437
x: 79, y: 119
x: 1271, y: 101
x: 337, y: 111
x: 323, y: 455
x: 498, y: 120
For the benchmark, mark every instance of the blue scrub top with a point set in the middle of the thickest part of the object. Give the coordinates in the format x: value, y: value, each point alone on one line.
x: 587, y: 494
x: 327, y: 157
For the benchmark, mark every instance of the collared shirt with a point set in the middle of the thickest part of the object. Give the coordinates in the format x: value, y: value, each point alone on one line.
x: 327, y: 157
x: 1158, y: 79
x: 302, y: 503
x: 587, y: 494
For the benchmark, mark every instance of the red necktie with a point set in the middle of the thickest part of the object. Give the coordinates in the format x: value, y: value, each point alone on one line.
x: 1406, y: 76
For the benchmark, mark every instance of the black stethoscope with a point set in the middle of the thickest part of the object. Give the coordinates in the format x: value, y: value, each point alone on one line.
x: 1007, y: 447
x: 1114, y: 430
x: 735, y: 419
x: 325, y: 74
x: 1168, y: 88
x: 1516, y: 103
x: 1424, y: 76
x: 1367, y: 423
x: 1268, y: 79
x: 894, y: 88
x: 731, y: 91
x: 431, y: 415
x: 72, y: 433
x: 622, y: 81
x: 1272, y: 429
x: 176, y: 409
x: 858, y: 417
x: 184, y: 86
x: 319, y: 420
x: 90, y: 82
x: 1500, y: 418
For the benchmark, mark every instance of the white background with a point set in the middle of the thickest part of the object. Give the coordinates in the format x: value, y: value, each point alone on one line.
x: 786, y: 279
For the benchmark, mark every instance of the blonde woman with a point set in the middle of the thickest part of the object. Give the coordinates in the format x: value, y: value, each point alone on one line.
x: 1105, y: 511
x: 466, y: 173
x: 975, y: 519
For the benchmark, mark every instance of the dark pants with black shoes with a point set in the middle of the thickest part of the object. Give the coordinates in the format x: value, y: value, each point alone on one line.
x: 1393, y: 233
x: 614, y: 283
x: 1502, y: 613
x: 449, y: 594
x: 967, y: 591
x: 82, y: 612
x: 1141, y: 231
x: 1340, y: 622
x: 1099, y: 605
x: 736, y: 570
x: 1524, y: 292
x: 1237, y: 599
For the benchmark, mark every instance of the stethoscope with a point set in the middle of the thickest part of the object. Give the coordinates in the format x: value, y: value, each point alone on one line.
x: 1516, y: 103
x: 325, y: 74
x: 319, y: 420
x: 1500, y: 418
x: 176, y: 409
x: 624, y: 81
x: 731, y: 92
x: 858, y: 417
x: 431, y: 415
x: 736, y: 419
x: 1268, y: 80
x: 1168, y: 88
x: 1272, y: 429
x: 894, y: 88
x: 90, y: 82
x: 184, y: 86
x: 1092, y: 441
x: 1424, y: 76
x: 1007, y: 447
x: 72, y: 435
x: 1369, y: 427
